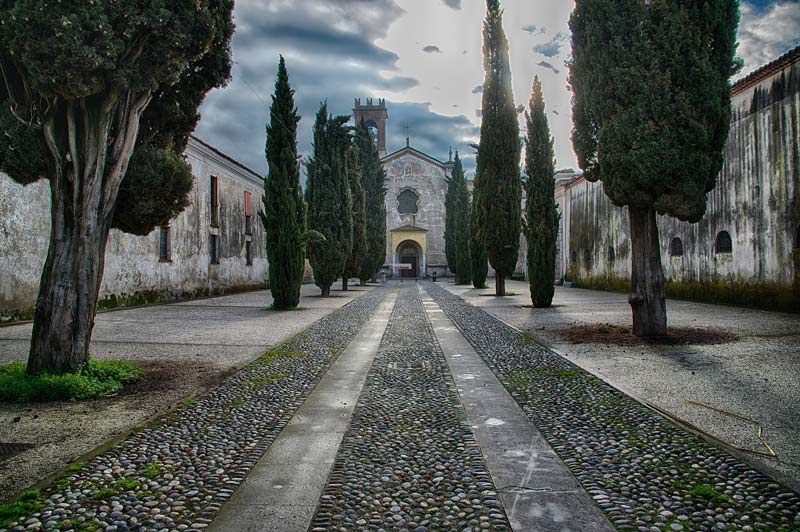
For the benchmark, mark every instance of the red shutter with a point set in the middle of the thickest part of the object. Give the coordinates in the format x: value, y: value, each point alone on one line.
x: 248, y: 208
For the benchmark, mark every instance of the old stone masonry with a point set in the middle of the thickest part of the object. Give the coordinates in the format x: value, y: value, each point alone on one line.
x: 411, y: 410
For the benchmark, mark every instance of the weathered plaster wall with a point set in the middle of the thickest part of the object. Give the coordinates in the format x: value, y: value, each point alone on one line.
x: 133, y: 271
x: 756, y: 200
x: 427, y: 180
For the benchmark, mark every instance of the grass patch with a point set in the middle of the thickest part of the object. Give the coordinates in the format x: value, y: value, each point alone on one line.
x: 707, y: 492
x: 266, y: 380
x: 104, y: 494
x: 76, y: 467
x: 274, y: 354
x: 153, y: 470
x: 97, y: 378
x: 127, y: 484
x: 27, y: 503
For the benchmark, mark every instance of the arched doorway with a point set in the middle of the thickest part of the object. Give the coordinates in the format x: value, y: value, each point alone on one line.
x: 409, y: 252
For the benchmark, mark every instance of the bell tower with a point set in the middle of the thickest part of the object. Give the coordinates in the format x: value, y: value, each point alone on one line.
x: 375, y: 116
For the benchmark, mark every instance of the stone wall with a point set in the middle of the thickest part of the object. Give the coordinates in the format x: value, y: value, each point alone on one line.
x: 756, y: 201
x: 134, y: 273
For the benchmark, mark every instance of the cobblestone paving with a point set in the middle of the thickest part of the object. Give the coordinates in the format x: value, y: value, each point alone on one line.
x: 409, y: 462
x: 177, y: 475
x: 646, y: 473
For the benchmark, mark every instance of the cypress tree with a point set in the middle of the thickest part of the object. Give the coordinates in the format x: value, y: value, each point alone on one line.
x: 460, y: 223
x: 284, y: 214
x: 375, y: 202
x: 329, y: 201
x: 480, y: 264
x: 541, y: 215
x: 498, y: 190
x: 449, y: 226
x: 651, y: 111
x: 352, y: 267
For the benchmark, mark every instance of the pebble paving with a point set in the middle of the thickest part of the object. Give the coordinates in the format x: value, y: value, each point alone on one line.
x: 409, y: 462
x: 644, y: 472
x: 177, y: 475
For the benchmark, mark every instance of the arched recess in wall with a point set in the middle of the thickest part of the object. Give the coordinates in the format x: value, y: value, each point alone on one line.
x: 723, y: 244
x: 676, y: 247
x: 612, y: 254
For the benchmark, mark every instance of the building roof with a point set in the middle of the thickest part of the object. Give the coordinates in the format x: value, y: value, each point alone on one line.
x: 409, y: 228
x: 227, y: 157
x: 413, y: 151
x: 766, y: 71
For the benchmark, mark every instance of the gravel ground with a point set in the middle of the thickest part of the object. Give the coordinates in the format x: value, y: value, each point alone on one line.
x: 646, y: 473
x: 177, y: 474
x: 409, y: 461
x: 185, y: 349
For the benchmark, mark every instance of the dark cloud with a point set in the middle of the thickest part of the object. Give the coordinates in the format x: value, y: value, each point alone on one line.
x: 455, y: 4
x: 430, y: 132
x: 767, y: 30
x: 532, y: 29
x: 431, y: 49
x: 549, y: 66
x: 478, y: 89
x: 552, y: 47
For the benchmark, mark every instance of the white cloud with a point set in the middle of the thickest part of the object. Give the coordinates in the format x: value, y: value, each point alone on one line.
x: 768, y: 33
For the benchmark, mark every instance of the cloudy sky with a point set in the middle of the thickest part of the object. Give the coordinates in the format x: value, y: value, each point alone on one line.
x: 424, y: 57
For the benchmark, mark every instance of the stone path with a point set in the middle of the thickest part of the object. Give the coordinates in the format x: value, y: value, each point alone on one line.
x: 460, y: 423
x: 644, y: 472
x: 282, y: 491
x: 536, y: 487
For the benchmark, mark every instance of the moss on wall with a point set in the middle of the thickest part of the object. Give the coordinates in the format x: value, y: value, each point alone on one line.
x: 767, y: 296
x: 145, y: 297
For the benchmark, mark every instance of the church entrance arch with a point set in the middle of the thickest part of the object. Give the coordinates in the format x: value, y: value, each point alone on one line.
x: 409, y: 252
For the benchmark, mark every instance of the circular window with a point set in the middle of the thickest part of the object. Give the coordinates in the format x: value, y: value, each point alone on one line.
x: 407, y: 202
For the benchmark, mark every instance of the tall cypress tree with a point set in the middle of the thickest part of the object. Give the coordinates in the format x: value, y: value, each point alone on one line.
x: 541, y: 215
x: 449, y: 226
x: 480, y: 263
x: 375, y: 201
x: 460, y: 223
x: 498, y: 190
x: 329, y: 199
x: 355, y: 261
x: 284, y: 214
x: 651, y: 111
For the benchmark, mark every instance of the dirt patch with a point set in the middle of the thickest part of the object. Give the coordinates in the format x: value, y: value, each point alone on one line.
x: 605, y: 333
x: 59, y: 433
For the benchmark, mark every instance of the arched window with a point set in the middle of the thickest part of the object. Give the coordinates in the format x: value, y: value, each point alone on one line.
x: 723, y: 243
x: 407, y: 202
x: 676, y: 247
x: 612, y: 254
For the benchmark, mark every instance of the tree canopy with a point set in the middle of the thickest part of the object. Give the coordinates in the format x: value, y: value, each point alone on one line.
x: 330, y: 203
x: 374, y: 177
x: 498, y: 190
x: 459, y: 217
x: 284, y: 214
x: 541, y: 215
x: 79, y: 82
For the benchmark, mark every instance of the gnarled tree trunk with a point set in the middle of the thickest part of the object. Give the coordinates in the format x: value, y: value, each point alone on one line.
x: 647, y: 301
x: 91, y: 141
x: 344, y: 283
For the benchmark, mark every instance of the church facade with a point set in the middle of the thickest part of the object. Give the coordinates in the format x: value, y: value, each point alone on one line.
x: 416, y: 186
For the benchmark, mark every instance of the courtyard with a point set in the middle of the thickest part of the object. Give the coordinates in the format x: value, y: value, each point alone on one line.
x: 419, y: 406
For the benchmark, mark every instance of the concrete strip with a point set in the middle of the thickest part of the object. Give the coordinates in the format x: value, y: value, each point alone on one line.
x: 537, y: 490
x: 281, y: 493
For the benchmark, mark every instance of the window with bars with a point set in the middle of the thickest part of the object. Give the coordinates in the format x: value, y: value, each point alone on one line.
x: 164, y: 252
x: 676, y: 247
x: 248, y: 214
x: 213, y: 248
x: 214, y: 197
x: 407, y: 202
